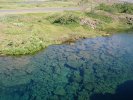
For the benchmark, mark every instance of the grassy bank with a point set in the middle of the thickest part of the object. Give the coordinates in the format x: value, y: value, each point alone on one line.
x: 28, y: 33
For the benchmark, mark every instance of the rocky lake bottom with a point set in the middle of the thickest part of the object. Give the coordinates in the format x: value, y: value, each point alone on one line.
x: 91, y: 69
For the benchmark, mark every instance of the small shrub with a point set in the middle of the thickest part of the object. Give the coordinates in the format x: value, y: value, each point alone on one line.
x: 63, y: 19
x: 124, y: 8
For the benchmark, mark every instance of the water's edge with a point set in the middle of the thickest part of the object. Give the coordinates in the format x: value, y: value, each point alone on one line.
x: 89, y: 69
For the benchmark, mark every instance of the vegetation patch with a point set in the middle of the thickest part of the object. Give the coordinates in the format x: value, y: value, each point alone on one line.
x: 120, y: 8
x: 64, y: 19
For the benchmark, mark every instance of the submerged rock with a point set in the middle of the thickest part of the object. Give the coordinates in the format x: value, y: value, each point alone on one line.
x: 60, y: 91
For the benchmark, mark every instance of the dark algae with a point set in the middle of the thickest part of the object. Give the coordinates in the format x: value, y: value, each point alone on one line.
x: 91, y: 69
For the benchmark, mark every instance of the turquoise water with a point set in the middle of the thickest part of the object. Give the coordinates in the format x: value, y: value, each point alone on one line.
x: 69, y: 72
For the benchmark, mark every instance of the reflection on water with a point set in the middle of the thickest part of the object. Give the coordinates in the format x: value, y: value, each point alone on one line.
x: 69, y: 72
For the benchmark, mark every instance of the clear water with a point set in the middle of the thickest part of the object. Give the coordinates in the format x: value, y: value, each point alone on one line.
x: 88, y: 70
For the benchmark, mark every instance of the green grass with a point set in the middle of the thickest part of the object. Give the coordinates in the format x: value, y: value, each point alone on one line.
x: 100, y: 17
x: 29, y: 33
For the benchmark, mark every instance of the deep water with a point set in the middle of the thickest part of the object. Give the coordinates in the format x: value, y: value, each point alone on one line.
x: 92, y: 69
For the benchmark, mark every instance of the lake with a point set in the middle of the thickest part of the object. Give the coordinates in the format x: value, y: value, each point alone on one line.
x: 91, y: 69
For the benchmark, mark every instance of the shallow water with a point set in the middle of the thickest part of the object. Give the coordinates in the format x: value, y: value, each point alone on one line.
x: 82, y: 71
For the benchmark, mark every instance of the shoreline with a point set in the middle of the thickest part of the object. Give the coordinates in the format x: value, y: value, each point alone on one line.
x: 24, y: 34
x: 65, y: 42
